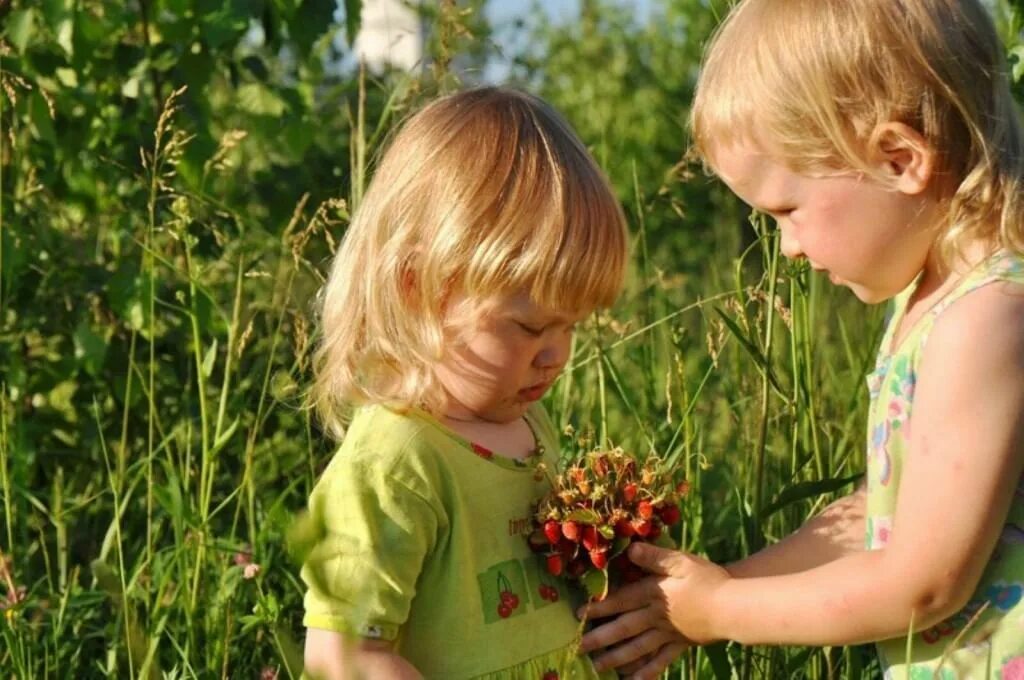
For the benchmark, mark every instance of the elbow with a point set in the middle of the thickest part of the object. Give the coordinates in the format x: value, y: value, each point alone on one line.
x: 937, y: 599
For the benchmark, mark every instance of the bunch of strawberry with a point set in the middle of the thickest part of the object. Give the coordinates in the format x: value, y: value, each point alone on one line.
x: 596, y: 508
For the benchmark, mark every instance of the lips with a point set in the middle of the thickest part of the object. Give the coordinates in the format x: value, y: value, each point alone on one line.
x: 534, y: 392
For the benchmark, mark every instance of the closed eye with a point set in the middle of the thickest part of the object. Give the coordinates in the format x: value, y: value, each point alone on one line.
x: 530, y: 330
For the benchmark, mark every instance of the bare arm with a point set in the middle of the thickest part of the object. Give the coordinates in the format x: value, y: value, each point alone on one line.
x: 330, y: 656
x: 967, y: 442
x: 837, y: 531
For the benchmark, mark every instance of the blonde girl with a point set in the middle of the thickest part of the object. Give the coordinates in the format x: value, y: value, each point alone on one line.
x: 882, y: 137
x: 487, y: 232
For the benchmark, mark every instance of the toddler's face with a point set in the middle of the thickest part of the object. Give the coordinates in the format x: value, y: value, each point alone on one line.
x: 500, y: 362
x: 868, y: 237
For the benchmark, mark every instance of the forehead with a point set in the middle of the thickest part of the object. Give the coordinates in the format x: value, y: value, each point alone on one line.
x: 753, y: 175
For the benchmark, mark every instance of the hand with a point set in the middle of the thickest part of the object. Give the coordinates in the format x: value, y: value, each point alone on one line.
x: 658, y: 614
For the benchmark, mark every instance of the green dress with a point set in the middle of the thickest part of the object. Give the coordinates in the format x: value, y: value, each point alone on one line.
x: 993, y: 644
x: 424, y: 543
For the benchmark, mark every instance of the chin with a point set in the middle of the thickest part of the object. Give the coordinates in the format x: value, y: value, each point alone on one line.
x: 870, y: 297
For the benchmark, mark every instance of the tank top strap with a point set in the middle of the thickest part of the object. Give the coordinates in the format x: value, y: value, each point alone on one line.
x: 1002, y: 266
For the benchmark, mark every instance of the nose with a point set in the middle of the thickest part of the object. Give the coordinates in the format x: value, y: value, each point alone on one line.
x: 555, y: 351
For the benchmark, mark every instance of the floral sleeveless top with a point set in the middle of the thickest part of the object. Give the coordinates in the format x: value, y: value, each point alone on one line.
x: 986, y: 638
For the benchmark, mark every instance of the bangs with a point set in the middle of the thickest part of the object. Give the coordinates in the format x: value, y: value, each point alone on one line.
x: 810, y: 105
x: 548, y: 224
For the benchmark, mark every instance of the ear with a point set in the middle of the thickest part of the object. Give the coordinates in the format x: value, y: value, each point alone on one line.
x: 905, y: 156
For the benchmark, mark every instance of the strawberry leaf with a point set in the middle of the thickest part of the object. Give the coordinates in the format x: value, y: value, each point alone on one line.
x: 596, y: 583
x: 585, y: 515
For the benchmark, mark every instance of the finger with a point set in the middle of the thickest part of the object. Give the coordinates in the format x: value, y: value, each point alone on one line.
x: 655, y: 560
x: 632, y: 650
x: 621, y: 628
x: 628, y: 669
x: 627, y: 598
x: 657, y: 663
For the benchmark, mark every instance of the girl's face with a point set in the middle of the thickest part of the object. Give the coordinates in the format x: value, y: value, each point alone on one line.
x: 503, y: 360
x: 871, y: 238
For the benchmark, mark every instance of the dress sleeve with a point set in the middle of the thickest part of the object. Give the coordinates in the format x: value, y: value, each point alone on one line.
x: 374, y: 533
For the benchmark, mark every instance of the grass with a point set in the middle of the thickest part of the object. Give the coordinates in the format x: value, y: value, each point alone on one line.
x: 133, y: 556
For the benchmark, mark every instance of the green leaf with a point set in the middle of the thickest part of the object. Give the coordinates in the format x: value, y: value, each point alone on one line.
x: 66, y: 35
x: 39, y: 118
x: 606, y: 531
x: 224, y: 436
x: 619, y: 547
x: 106, y: 579
x: 585, y: 515
x: 755, y: 353
x: 664, y: 540
x: 21, y: 26
x: 803, y: 490
x: 353, y: 18
x: 1017, y: 61
x: 719, y: 659
x: 259, y: 100
x: 90, y: 349
x: 208, y: 358
x: 596, y: 583
x: 312, y: 20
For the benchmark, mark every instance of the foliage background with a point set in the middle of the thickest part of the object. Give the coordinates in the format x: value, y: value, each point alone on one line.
x: 174, y: 175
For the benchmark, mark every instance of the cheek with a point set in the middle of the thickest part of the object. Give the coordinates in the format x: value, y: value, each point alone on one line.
x: 495, y: 353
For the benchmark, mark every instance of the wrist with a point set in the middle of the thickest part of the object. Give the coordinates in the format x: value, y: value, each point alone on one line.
x: 720, y: 610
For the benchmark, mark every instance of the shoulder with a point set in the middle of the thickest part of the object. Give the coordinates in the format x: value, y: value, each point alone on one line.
x: 383, y: 446
x: 977, y: 343
x: 988, y: 318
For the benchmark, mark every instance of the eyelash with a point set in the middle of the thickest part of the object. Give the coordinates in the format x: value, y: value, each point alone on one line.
x: 537, y: 332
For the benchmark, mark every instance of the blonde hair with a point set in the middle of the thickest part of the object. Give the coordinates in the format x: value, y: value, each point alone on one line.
x: 486, y: 192
x: 816, y: 78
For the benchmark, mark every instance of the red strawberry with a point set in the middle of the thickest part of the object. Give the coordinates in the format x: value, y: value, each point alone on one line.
x: 590, y: 537
x: 642, y: 527
x: 553, y: 531
x: 655, y: 530
x: 550, y: 675
x: 670, y: 514
x: 629, y: 492
x: 645, y: 509
x: 566, y: 547
x: 504, y: 611
x: 506, y: 598
x: 555, y: 564
x: 599, y: 557
x: 543, y: 590
x: 624, y: 529
x: 553, y: 594
x: 513, y: 600
x: 577, y: 567
x: 571, y: 530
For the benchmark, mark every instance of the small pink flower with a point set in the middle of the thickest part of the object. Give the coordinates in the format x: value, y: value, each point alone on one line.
x: 252, y: 570
x: 243, y: 557
x: 1013, y: 668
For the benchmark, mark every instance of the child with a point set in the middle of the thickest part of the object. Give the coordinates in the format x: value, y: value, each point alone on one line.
x: 882, y: 137
x: 487, y: 233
